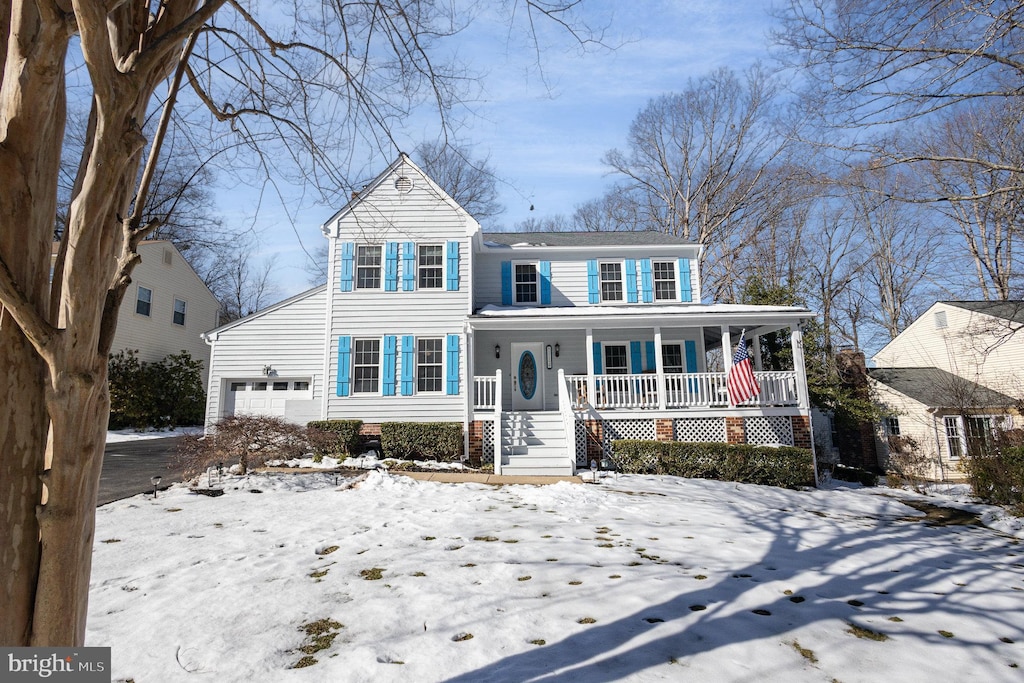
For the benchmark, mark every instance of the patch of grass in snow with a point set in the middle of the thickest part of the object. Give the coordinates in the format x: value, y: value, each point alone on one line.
x: 586, y: 620
x: 945, y: 634
x: 547, y: 536
x: 469, y: 564
x: 700, y: 577
x: 897, y: 619
x: 173, y: 509
x: 429, y: 538
x: 538, y: 641
x: 459, y: 637
x: 320, y: 634
x: 111, y: 540
x: 524, y: 578
x: 552, y: 559
x: 327, y: 551
x: 634, y: 563
x: 511, y: 540
x: 605, y: 545
x: 319, y: 573
x: 304, y: 662
x: 418, y: 574
x: 372, y: 574
x: 614, y: 576
x: 486, y: 539
x: 866, y: 633
x: 804, y: 652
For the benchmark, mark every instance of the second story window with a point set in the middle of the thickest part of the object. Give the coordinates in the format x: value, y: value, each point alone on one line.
x: 431, y: 266
x: 611, y: 281
x: 368, y: 260
x: 429, y: 356
x: 144, y: 301
x: 366, y: 366
x: 664, y: 280
x: 179, y: 312
x: 526, y: 283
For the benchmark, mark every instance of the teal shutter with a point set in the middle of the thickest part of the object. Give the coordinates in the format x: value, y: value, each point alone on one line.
x: 408, y: 266
x: 593, y: 283
x: 652, y: 362
x: 647, y: 281
x: 453, y: 266
x: 636, y: 365
x: 685, y: 293
x: 453, y: 365
x: 347, y: 259
x: 408, y: 364
x: 506, y: 283
x: 597, y: 358
x: 544, y: 268
x: 344, y: 359
x: 691, y: 355
x: 631, y: 293
x: 388, y: 381
x: 391, y: 267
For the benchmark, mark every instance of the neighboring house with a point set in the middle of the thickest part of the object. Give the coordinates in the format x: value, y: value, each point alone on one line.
x: 545, y: 346
x: 166, y: 308
x: 949, y: 382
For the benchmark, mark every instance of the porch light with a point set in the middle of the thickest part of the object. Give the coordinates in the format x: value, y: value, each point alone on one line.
x: 558, y: 349
x: 497, y: 350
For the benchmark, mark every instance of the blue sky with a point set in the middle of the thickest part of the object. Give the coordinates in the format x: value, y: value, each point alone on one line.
x: 545, y: 134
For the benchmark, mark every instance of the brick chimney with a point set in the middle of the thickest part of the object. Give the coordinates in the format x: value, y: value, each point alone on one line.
x: 856, y: 443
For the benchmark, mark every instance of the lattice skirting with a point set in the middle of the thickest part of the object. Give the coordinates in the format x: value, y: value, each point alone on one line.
x: 770, y: 429
x: 488, y: 454
x: 642, y: 430
x: 581, y: 444
x: 699, y: 429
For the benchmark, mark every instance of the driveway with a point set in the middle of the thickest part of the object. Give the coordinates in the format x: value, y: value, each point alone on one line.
x: 129, y: 465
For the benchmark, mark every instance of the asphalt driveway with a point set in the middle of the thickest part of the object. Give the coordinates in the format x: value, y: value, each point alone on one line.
x: 129, y: 465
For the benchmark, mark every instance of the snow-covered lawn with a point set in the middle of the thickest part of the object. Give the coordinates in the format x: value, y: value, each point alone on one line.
x: 120, y: 435
x: 636, y: 578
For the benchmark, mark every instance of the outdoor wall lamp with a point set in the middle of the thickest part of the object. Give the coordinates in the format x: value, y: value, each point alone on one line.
x: 558, y: 349
x: 497, y: 350
x: 267, y: 370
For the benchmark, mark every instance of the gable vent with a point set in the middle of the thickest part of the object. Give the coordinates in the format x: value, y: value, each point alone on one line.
x: 940, y: 320
x: 167, y: 257
x: 403, y: 184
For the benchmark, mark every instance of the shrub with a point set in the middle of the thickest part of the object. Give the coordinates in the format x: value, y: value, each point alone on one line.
x: 906, y: 463
x: 784, y: 466
x: 998, y: 477
x: 162, y: 394
x: 334, y: 437
x: 441, y: 441
x: 854, y: 474
x: 251, y: 440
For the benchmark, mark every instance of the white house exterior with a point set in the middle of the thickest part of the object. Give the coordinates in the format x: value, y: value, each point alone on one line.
x: 545, y: 346
x: 166, y: 308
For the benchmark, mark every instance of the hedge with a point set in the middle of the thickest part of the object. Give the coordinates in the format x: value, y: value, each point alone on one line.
x: 998, y: 477
x: 855, y: 474
x: 784, y: 466
x: 334, y: 437
x: 422, y: 440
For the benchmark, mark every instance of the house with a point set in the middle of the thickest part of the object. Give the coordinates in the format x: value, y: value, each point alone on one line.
x: 949, y: 382
x: 545, y: 346
x: 166, y: 308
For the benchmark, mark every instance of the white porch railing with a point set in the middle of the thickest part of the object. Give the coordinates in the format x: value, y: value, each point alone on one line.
x: 485, y: 391
x: 682, y: 390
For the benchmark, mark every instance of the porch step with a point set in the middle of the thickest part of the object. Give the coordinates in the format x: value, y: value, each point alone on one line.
x: 534, y: 444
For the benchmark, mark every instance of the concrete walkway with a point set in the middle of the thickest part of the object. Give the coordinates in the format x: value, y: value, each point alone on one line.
x: 442, y: 476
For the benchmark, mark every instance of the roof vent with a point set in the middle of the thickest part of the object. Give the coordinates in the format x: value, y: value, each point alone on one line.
x: 168, y: 259
x: 940, y: 320
x: 403, y: 184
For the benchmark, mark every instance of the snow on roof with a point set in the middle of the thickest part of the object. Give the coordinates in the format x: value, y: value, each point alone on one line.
x: 492, y: 311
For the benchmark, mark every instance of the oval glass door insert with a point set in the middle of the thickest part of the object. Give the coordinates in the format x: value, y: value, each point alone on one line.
x: 527, y: 375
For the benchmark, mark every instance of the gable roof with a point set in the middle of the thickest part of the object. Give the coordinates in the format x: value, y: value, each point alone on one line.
x: 1007, y: 310
x: 937, y: 388
x: 212, y: 334
x: 580, y: 239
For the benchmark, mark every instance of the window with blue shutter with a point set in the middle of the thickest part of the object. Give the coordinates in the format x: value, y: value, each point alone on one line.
x: 598, y: 364
x: 685, y: 292
x: 453, y: 266
x: 544, y: 268
x: 636, y: 364
x: 408, y: 364
x: 593, y: 282
x: 344, y: 360
x: 652, y: 362
x: 348, y: 250
x: 391, y: 267
x: 388, y: 383
x: 646, y: 281
x: 631, y: 293
x: 453, y: 365
x: 506, y: 283
x: 408, y: 266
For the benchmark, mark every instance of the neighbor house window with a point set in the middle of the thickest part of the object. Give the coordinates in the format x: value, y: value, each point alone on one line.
x: 429, y: 357
x: 526, y: 283
x: 615, y: 359
x: 981, y: 434
x: 179, y: 312
x: 892, y: 426
x: 664, y: 280
x: 366, y: 366
x: 672, y: 358
x: 954, y: 436
x: 611, y: 281
x: 431, y: 266
x: 368, y: 266
x: 144, y: 301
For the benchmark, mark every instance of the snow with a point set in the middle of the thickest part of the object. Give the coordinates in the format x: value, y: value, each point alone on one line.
x: 120, y: 435
x: 669, y: 571
x: 493, y: 310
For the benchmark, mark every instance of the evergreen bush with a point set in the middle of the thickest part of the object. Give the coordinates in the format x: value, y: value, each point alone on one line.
x: 442, y: 441
x: 334, y: 437
x: 162, y: 394
x: 998, y: 476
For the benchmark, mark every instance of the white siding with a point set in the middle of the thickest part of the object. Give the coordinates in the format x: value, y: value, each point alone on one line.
x: 289, y: 338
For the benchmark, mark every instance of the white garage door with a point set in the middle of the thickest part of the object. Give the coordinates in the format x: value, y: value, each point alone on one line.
x: 263, y: 397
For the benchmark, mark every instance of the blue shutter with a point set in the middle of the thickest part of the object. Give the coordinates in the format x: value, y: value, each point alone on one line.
x: 408, y: 364
x: 344, y: 359
x: 691, y: 355
x: 506, y: 283
x: 652, y: 361
x: 631, y: 293
x: 391, y: 267
x: 685, y: 293
x: 408, y: 266
x: 453, y: 365
x: 388, y: 381
x: 544, y: 268
x: 597, y: 358
x: 636, y: 365
x: 453, y: 266
x: 593, y: 283
x: 347, y: 259
x: 647, y: 280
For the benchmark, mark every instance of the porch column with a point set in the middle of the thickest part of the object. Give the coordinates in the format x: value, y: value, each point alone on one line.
x: 755, y: 348
x: 591, y: 384
x: 659, y: 368
x: 726, y: 349
x: 796, y: 340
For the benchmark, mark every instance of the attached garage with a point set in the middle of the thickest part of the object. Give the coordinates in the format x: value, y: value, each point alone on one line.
x: 265, y: 396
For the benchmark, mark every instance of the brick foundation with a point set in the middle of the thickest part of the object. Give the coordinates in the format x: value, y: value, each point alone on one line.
x: 735, y: 430
x: 664, y: 429
x: 370, y: 429
x: 801, y: 431
x: 476, y: 443
x: 595, y: 440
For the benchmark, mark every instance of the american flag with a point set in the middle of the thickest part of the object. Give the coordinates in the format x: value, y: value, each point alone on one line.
x: 740, y: 381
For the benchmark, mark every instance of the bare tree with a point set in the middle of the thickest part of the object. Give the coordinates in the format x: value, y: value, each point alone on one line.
x: 470, y: 182
x: 617, y: 209
x: 343, y: 72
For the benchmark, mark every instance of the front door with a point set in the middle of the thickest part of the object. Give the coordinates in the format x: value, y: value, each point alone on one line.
x: 527, y: 374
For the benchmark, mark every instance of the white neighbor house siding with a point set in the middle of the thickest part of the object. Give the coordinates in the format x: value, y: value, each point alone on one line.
x: 386, y: 214
x: 289, y: 337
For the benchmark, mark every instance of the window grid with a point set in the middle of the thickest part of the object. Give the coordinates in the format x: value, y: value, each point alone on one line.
x: 954, y: 438
x: 368, y: 262
x: 615, y: 359
x: 179, y: 312
x: 429, y: 358
x: 611, y: 281
x: 672, y: 357
x: 664, y: 281
x: 144, y: 301
x: 526, y: 283
x: 892, y: 426
x: 366, y: 366
x: 431, y: 266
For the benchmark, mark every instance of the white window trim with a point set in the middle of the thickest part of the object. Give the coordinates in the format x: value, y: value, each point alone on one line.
x: 673, y: 268
x: 536, y: 282
x: 604, y: 355
x: 416, y: 366
x: 443, y: 266
x: 152, y: 296
x: 681, y: 343
x: 622, y: 281
x: 380, y: 367
x: 184, y: 313
x: 380, y: 268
